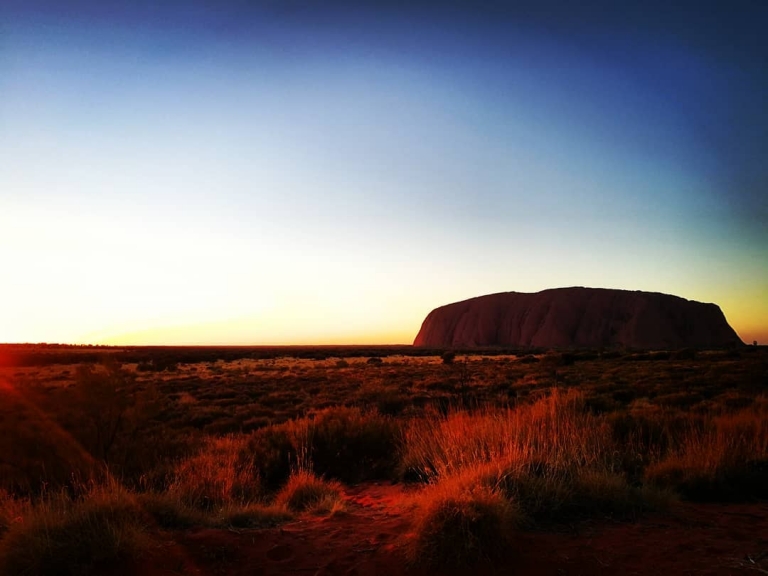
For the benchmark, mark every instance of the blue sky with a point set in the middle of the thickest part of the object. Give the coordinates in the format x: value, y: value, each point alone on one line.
x: 288, y: 172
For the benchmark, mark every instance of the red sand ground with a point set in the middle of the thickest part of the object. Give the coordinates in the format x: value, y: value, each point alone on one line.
x: 366, y: 540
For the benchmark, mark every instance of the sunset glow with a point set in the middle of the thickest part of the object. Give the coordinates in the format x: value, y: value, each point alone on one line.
x: 207, y: 173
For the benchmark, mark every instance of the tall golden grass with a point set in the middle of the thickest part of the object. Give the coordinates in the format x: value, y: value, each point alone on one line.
x: 555, y: 433
x: 724, y: 457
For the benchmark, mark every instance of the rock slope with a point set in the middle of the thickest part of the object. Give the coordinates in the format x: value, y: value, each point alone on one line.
x: 578, y: 318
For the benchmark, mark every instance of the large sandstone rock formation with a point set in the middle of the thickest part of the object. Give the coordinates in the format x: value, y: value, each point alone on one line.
x: 577, y: 317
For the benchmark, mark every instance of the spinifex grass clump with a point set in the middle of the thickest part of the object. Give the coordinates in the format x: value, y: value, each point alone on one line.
x: 347, y: 444
x: 239, y: 470
x: 58, y: 535
x: 221, y: 473
x: 554, y: 432
x: 553, y: 458
x: 458, y: 525
x: 726, y: 458
x: 306, y: 491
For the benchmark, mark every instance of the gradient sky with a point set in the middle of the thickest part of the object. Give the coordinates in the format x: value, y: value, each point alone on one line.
x: 279, y: 172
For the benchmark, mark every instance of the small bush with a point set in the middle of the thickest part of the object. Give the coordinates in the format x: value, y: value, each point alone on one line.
x: 458, y: 526
x: 305, y: 491
x: 349, y: 444
x: 58, y: 536
x: 448, y: 357
x: 222, y: 473
x: 273, y: 450
x: 724, y: 458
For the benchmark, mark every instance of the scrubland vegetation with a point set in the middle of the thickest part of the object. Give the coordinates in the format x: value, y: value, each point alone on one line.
x: 102, y: 450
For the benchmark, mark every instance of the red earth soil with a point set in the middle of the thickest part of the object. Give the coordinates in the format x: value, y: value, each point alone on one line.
x: 367, y: 540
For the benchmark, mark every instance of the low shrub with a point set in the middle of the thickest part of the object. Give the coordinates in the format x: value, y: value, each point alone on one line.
x: 305, y: 491
x: 349, y: 444
x: 273, y: 451
x: 555, y: 429
x: 724, y: 458
x: 95, y: 534
x: 221, y: 473
x: 458, y: 526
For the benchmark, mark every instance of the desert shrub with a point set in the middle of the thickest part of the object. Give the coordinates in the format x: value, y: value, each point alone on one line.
x: 35, y: 450
x: 344, y: 443
x: 385, y: 401
x: 105, y: 400
x: 273, y: 451
x: 547, y: 495
x: 390, y: 402
x: 304, y: 491
x: 349, y: 444
x: 726, y: 460
x: 118, y: 422
x: 460, y: 526
x: 221, y: 473
x: 448, y: 357
x: 61, y: 536
x: 553, y: 458
x: 555, y: 429
x: 374, y: 361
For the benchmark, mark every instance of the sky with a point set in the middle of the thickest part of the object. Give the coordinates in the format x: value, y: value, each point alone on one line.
x: 290, y: 172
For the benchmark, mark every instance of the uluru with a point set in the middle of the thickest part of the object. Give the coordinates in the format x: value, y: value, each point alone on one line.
x: 578, y: 317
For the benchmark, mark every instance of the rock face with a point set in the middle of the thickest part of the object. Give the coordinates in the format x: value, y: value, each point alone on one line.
x: 578, y: 318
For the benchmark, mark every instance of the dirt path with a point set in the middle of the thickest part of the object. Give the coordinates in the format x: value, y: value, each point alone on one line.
x: 367, y: 539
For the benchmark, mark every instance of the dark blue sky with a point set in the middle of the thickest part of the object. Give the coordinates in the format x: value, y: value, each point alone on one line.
x: 407, y: 154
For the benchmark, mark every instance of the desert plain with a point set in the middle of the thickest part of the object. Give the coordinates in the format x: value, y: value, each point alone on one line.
x: 382, y: 460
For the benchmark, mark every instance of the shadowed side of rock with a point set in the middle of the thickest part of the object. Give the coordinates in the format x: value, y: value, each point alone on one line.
x: 578, y: 318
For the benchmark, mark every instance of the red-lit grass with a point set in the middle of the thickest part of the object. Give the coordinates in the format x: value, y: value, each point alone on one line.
x: 724, y: 457
x: 632, y: 432
x: 460, y: 525
x: 221, y: 473
x: 552, y: 458
x: 305, y: 491
x: 554, y: 432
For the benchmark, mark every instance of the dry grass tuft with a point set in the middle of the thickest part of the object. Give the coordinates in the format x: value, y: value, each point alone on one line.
x: 306, y: 491
x: 460, y: 526
x: 221, y: 473
x: 552, y: 458
x: 60, y: 536
x: 725, y: 459
x: 555, y: 431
